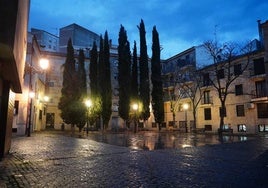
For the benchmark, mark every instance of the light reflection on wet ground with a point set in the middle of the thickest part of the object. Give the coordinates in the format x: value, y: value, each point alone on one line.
x: 155, y: 140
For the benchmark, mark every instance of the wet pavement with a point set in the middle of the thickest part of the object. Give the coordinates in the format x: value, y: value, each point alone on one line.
x: 164, y: 140
x: 49, y: 159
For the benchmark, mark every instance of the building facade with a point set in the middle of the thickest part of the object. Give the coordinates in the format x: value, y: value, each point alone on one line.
x: 30, y: 101
x: 247, y: 100
x: 177, y: 73
x: 82, y: 38
x: 47, y: 41
x: 246, y: 105
x: 13, y: 36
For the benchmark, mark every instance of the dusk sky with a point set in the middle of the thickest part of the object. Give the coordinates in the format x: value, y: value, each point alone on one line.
x: 181, y: 24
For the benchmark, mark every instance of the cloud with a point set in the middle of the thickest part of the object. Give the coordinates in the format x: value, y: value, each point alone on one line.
x: 181, y: 24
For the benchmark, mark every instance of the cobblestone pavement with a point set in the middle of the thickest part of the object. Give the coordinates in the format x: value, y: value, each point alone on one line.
x: 53, y: 160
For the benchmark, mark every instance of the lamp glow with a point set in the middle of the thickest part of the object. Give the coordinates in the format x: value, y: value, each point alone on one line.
x: 135, y: 106
x: 44, y: 63
x: 88, y: 103
x: 185, y: 106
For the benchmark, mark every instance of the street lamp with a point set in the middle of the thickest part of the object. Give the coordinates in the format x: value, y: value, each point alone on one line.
x: 46, y: 98
x: 44, y: 63
x: 185, y: 108
x: 135, y: 107
x: 88, y: 104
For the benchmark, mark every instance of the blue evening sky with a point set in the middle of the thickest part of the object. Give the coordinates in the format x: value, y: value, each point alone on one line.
x: 181, y: 23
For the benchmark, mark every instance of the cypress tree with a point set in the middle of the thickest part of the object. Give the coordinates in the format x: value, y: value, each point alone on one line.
x: 157, y: 90
x: 68, y: 90
x: 93, y: 70
x: 144, y: 74
x: 72, y: 110
x: 105, y: 82
x: 82, y: 74
x: 124, y: 66
x: 100, y: 71
x: 95, y: 110
x: 134, y: 74
x: 100, y: 77
x: 82, y: 89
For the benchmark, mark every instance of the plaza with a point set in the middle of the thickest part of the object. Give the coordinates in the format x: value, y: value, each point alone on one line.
x: 55, y: 159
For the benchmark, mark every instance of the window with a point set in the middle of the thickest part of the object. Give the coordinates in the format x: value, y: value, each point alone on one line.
x: 239, y: 89
x: 50, y: 84
x: 16, y: 108
x: 207, y: 113
x: 263, y: 128
x: 182, y: 124
x: 208, y: 127
x: 262, y: 110
x: 237, y: 69
x: 171, y: 123
x: 259, y: 67
x: 40, y: 114
x: 206, y: 97
x: 226, y: 127
x: 222, y: 112
x: 44, y: 111
x: 260, y: 88
x: 220, y: 74
x: 154, y: 125
x: 206, y: 80
x: 240, y: 110
x: 241, y: 128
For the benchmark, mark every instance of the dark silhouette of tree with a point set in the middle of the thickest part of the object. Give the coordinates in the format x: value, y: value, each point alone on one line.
x: 82, y: 79
x: 95, y: 109
x: 100, y: 76
x: 105, y: 82
x: 82, y: 88
x: 72, y: 111
x: 124, y: 74
x: 134, y: 75
x: 144, y: 89
x: 157, y: 90
x: 93, y: 70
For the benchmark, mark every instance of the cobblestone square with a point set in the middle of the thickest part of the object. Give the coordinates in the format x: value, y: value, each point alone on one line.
x: 53, y: 160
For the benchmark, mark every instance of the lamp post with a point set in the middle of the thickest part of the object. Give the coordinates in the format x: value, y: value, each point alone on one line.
x: 88, y: 104
x: 31, y: 95
x: 186, y: 107
x: 135, y: 107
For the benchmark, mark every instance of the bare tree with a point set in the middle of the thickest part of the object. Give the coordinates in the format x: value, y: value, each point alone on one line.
x: 221, y: 72
x: 190, y: 86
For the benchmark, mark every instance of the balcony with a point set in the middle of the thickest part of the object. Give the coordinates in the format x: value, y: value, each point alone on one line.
x: 207, y: 101
x: 259, y: 96
x: 257, y: 77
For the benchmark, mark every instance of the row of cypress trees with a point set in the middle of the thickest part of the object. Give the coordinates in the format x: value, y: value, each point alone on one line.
x: 131, y: 87
x: 74, y: 87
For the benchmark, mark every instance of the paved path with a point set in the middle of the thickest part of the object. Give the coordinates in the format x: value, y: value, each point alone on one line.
x: 53, y: 160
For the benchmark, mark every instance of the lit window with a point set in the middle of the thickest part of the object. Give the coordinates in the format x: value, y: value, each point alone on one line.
x: 240, y: 110
x: 242, y: 128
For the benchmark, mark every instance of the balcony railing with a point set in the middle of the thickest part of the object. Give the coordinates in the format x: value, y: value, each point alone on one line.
x: 259, y: 94
x: 208, y: 100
